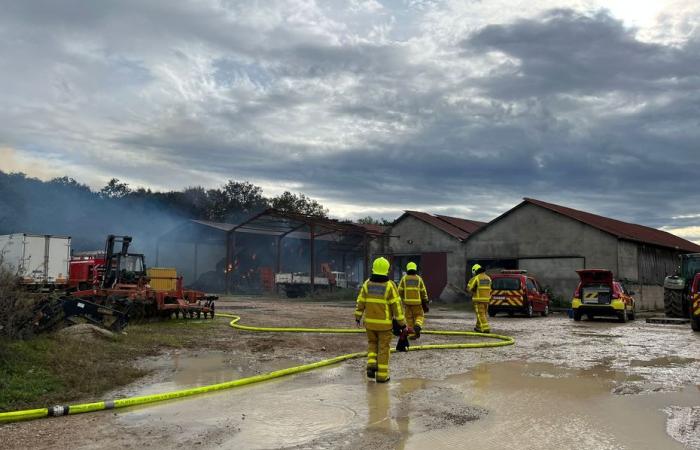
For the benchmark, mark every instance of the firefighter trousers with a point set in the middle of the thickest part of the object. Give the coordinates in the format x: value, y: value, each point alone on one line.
x: 414, y: 315
x: 482, y: 317
x: 378, y: 343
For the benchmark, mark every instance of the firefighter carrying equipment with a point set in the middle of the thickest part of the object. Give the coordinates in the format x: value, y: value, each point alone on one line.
x: 480, y: 287
x: 380, y: 304
x: 65, y: 410
x: 380, y: 266
x: 402, y: 345
x: 414, y: 295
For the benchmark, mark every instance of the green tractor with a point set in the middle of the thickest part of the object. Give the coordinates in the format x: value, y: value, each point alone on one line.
x: 677, y: 287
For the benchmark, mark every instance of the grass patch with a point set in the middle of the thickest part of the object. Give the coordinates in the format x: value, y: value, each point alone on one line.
x: 58, y: 369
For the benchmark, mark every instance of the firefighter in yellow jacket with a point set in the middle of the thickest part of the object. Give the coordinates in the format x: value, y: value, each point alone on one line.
x: 480, y: 288
x: 415, y: 298
x: 379, y: 302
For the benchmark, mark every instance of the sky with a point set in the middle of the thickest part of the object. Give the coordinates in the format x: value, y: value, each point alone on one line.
x: 371, y: 107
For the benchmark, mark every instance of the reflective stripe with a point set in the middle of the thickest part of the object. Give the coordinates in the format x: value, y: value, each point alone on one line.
x: 382, y: 321
x: 376, y: 289
x: 382, y: 366
x: 376, y: 300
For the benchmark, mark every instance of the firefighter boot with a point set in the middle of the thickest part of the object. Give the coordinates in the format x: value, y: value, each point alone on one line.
x: 416, y: 330
x: 371, y: 372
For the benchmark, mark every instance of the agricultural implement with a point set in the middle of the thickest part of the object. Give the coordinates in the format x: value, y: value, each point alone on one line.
x: 120, y: 281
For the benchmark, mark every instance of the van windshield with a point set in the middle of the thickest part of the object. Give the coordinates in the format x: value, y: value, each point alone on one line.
x: 506, y: 284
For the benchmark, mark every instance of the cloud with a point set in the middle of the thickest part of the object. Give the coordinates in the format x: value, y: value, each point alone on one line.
x: 458, y: 107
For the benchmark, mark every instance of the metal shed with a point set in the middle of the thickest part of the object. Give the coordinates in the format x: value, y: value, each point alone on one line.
x: 270, y: 229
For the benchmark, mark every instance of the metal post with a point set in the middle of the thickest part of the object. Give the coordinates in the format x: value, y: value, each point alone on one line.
x: 278, y: 262
x: 227, y: 272
x: 158, y: 253
x: 312, y: 272
x: 366, y: 245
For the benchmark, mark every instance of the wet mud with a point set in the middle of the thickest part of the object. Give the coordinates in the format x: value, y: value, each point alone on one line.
x: 565, y: 384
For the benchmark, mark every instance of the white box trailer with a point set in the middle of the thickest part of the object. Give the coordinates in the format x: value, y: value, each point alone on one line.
x: 40, y: 260
x: 299, y: 284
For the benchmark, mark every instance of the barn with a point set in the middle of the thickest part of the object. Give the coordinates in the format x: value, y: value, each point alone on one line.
x: 552, y: 242
x: 434, y: 242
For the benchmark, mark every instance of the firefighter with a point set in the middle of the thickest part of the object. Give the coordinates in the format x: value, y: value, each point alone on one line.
x: 415, y: 299
x: 380, y: 304
x: 480, y: 288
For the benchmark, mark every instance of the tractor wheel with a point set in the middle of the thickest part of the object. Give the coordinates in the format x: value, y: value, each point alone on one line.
x: 673, y: 303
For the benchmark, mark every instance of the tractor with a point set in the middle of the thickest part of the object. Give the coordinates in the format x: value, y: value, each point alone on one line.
x: 677, y: 288
x: 121, y: 281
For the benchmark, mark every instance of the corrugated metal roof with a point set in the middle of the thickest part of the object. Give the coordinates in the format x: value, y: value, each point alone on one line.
x: 467, y: 225
x: 218, y: 225
x: 372, y: 228
x: 622, y: 230
x: 454, y: 226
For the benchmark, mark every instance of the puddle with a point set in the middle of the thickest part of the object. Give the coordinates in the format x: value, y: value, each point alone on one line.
x: 186, y: 370
x: 664, y: 361
x: 494, y: 406
x: 542, y: 406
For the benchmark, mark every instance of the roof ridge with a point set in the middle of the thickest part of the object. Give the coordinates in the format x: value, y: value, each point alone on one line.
x: 619, y: 228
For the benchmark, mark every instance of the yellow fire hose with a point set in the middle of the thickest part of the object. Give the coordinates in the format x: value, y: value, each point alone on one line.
x: 64, y: 410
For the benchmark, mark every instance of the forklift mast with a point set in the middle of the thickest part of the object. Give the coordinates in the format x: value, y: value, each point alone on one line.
x: 110, y: 256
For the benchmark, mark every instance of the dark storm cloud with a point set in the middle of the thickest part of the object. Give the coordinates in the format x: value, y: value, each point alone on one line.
x: 569, y: 107
x: 569, y: 52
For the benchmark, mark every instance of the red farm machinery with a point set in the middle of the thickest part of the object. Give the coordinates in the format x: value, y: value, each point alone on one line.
x: 121, y: 278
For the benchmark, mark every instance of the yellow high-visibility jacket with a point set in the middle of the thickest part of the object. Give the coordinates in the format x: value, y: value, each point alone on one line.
x: 480, y: 287
x: 380, y: 303
x: 412, y: 290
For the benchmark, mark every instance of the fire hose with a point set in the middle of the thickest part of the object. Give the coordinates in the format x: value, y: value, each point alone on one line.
x: 64, y: 410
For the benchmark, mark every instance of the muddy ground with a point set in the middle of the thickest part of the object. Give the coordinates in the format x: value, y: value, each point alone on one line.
x: 586, y: 385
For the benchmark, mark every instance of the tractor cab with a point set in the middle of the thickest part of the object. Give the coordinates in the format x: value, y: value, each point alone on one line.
x: 122, y: 267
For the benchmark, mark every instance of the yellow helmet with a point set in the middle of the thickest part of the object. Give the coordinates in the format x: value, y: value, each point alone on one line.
x: 380, y: 266
x: 411, y: 266
x: 475, y: 267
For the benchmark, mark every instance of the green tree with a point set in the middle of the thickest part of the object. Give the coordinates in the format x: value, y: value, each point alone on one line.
x: 369, y: 220
x: 115, y: 189
x: 299, y: 204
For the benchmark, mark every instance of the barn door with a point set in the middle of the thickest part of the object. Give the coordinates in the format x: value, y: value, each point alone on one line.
x: 434, y: 271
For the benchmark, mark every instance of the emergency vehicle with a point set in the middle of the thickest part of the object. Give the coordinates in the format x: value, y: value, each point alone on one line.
x: 514, y: 292
x: 597, y: 294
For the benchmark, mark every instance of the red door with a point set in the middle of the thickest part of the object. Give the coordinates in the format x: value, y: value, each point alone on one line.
x: 434, y: 271
x: 534, y: 295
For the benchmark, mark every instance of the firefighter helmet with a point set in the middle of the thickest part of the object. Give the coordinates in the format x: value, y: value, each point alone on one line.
x: 411, y: 266
x: 380, y: 266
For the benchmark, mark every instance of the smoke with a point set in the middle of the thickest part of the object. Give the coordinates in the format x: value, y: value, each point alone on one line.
x: 28, y: 205
x: 162, y: 231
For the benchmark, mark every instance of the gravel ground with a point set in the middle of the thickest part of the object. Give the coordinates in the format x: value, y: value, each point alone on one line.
x: 630, y: 385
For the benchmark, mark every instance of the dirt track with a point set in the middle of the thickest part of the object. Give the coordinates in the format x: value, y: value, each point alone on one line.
x: 563, y: 385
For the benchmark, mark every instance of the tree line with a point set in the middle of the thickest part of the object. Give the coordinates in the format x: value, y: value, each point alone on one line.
x: 66, y: 206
